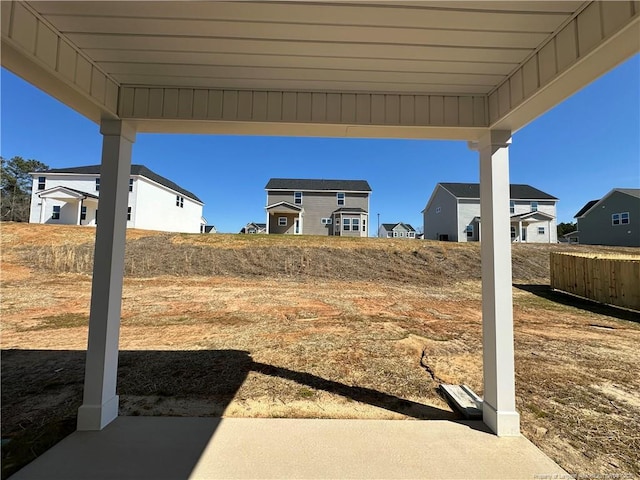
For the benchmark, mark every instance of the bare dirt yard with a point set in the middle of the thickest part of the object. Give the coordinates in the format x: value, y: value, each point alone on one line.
x: 273, y: 326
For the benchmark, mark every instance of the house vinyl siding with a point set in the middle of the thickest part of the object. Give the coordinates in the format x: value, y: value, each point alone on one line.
x: 595, y: 227
x: 316, y: 206
x: 156, y: 209
x: 467, y: 211
x: 68, y: 212
x: 153, y: 206
x: 443, y: 223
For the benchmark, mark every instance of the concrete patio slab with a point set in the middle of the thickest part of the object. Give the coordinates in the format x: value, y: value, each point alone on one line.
x: 212, y: 448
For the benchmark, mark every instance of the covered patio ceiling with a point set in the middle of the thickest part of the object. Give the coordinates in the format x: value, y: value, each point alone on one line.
x: 434, y: 69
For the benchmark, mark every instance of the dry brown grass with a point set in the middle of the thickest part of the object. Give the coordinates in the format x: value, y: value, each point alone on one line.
x: 287, y: 341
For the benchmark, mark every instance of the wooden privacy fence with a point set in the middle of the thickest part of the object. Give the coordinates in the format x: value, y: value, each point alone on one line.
x: 612, y: 279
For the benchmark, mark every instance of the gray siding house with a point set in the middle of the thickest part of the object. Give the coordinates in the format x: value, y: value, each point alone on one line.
x: 318, y: 207
x: 252, y: 228
x: 453, y: 214
x: 396, y: 230
x: 612, y: 220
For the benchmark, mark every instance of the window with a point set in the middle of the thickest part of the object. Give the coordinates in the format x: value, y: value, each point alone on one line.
x: 513, y: 232
x: 438, y: 210
x: 97, y: 184
x: 128, y: 213
x: 56, y: 213
x: 395, y: 234
x: 326, y: 221
x: 364, y: 225
x: 620, y: 218
x: 340, y: 197
x: 41, y: 183
x: 401, y: 234
x: 179, y: 201
x: 355, y: 224
x: 469, y: 231
x: 282, y: 221
x: 534, y: 206
x: 411, y: 234
x: 297, y: 198
x: 389, y: 235
x: 540, y: 230
x: 83, y: 213
x: 346, y: 224
x: 512, y: 207
x: 131, y: 184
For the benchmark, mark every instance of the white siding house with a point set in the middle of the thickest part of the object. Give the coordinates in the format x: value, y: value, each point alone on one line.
x: 453, y: 214
x: 71, y: 196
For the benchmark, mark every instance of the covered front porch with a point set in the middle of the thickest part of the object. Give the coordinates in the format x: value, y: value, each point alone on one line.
x: 284, y: 218
x: 532, y: 227
x: 68, y: 206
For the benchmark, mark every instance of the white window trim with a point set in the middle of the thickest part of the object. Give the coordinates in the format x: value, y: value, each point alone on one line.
x: 294, y: 198
x: 355, y: 224
x: 344, y: 199
x: 512, y: 207
x: 98, y: 184
x: 54, y: 212
x: 534, y: 206
x: 541, y: 231
x: 622, y: 218
x: 42, y: 184
x: 389, y: 235
x: 281, y: 223
x: 326, y: 221
x: 438, y: 210
x: 346, y: 224
x: 615, y: 219
x: 469, y: 230
x: 411, y: 234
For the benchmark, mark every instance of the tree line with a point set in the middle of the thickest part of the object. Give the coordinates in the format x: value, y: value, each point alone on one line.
x: 15, y: 187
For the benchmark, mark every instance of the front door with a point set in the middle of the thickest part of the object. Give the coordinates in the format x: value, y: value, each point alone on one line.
x: 296, y: 226
x: 523, y: 234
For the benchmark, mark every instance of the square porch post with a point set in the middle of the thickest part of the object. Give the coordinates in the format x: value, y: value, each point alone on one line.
x: 499, y: 407
x: 100, y: 402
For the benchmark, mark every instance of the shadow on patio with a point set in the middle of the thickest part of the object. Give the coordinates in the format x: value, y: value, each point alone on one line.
x: 42, y: 390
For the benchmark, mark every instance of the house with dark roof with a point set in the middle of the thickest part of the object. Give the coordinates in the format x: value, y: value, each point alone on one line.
x: 71, y: 196
x: 396, y: 230
x: 453, y: 214
x: 612, y: 220
x: 318, y: 207
x: 254, y: 228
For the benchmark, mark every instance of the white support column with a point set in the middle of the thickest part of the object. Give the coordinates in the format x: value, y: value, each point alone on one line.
x: 100, y: 402
x: 43, y: 207
x: 79, y: 213
x: 520, y: 234
x: 499, y: 406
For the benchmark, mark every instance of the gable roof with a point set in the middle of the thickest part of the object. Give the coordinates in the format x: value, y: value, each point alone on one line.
x: 62, y: 187
x: 310, y: 184
x: 586, y: 208
x: 633, y: 192
x: 391, y: 226
x: 135, y: 170
x: 516, y: 191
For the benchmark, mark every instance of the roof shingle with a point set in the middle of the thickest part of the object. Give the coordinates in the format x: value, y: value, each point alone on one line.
x: 318, y: 184
x: 135, y: 170
x: 516, y: 191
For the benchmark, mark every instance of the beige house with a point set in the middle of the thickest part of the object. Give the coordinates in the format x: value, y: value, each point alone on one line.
x: 318, y: 207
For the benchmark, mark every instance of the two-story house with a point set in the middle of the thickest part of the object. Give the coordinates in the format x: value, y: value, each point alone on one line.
x: 71, y: 196
x: 318, y: 207
x: 396, y: 230
x: 612, y: 220
x: 453, y: 214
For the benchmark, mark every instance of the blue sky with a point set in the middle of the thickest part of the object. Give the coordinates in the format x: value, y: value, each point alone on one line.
x: 577, y: 152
